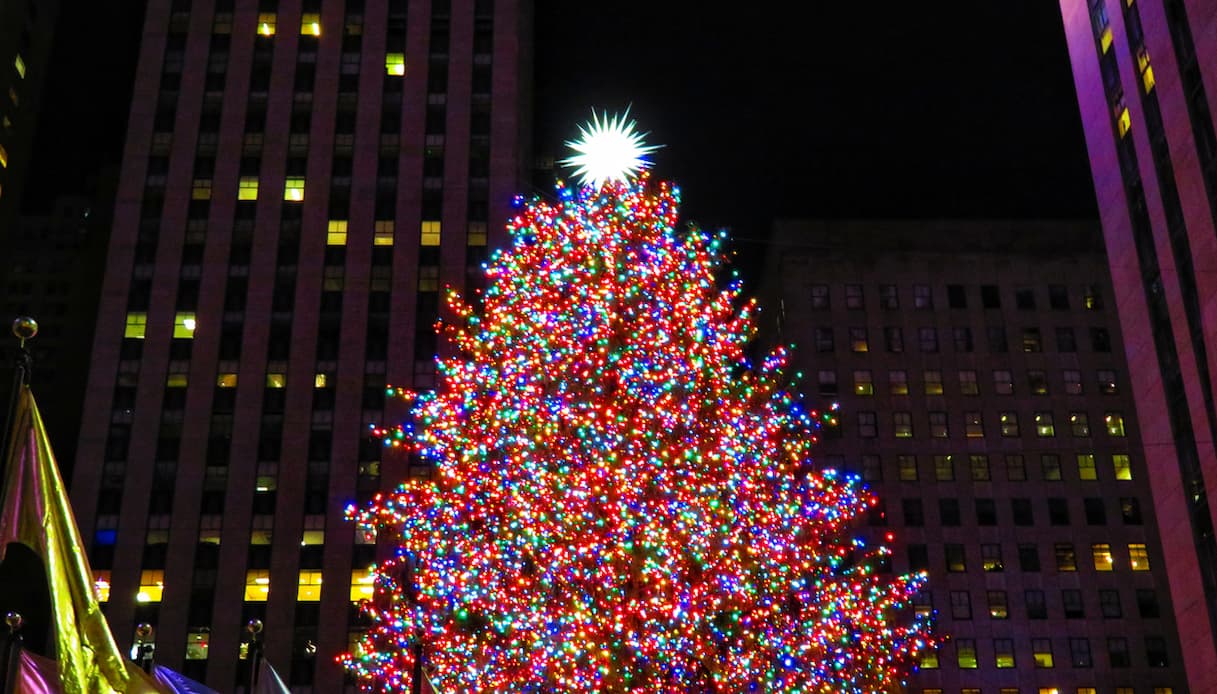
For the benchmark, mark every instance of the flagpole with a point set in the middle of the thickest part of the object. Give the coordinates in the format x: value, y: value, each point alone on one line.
x: 13, y: 645
x: 24, y: 328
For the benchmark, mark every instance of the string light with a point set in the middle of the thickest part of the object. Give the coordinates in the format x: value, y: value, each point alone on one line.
x: 623, y: 501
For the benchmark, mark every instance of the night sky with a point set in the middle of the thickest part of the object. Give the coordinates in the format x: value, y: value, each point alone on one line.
x: 825, y: 109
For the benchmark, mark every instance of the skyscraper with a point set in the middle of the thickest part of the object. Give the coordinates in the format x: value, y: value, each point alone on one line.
x: 985, y: 399
x: 1146, y: 76
x: 301, y: 180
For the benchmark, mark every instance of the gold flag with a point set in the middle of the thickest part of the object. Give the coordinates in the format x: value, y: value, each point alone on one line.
x: 35, y: 512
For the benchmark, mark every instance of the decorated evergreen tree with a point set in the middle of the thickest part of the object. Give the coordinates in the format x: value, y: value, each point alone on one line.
x: 621, y: 500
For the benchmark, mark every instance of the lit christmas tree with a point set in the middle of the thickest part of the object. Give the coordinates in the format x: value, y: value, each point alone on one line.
x: 622, y: 501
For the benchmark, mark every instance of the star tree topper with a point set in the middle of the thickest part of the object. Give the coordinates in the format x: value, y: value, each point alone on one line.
x: 608, y: 149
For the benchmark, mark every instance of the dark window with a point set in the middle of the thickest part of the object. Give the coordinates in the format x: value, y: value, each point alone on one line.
x: 1058, y: 297
x: 986, y: 512
x: 1109, y: 604
x: 919, y: 558
x: 1028, y: 558
x: 956, y: 296
x: 1117, y: 652
x: 1024, y: 299
x: 1130, y: 510
x: 893, y: 339
x: 989, y: 296
x: 914, y: 513
x: 956, y: 559
x: 1058, y: 511
x: 996, y: 336
x: 1065, y: 340
x: 888, y: 296
x: 1100, y: 340
x: 1155, y: 651
x: 1079, y: 652
x: 1096, y: 512
x: 1023, y: 515
x: 1147, y: 603
x: 1036, y: 607
x: 823, y: 338
x: 948, y: 512
x: 1071, y: 600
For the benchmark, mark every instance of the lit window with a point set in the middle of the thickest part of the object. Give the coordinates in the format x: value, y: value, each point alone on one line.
x: 902, y: 422
x: 137, y: 325
x: 201, y: 189
x: 990, y: 555
x: 907, y: 465
x: 382, y: 233
x: 247, y: 188
x: 1105, y: 39
x: 898, y: 382
x: 196, y: 644
x: 336, y: 232
x: 1066, y: 559
x: 428, y: 279
x: 1009, y: 423
x: 1042, y: 650
x: 184, y: 324
x: 101, y: 585
x: 1086, y: 467
x: 226, y: 380
x: 320, y: 380
x: 266, y: 23
x: 430, y: 234
x: 257, y: 585
x: 176, y: 381
x: 395, y: 64
x: 999, y: 607
x: 938, y: 425
x: 293, y: 189
x: 1122, y: 465
x: 151, y: 585
x: 1147, y: 70
x: 310, y: 24
x: 974, y: 426
x: 1138, y: 557
x: 1003, y: 651
x: 944, y: 468
x: 1102, y: 556
x: 309, y: 589
x: 929, y: 659
x: 362, y: 585
x: 1123, y: 121
x: 980, y: 467
x: 857, y: 340
x: 1044, y: 426
x: 966, y: 650
x: 933, y: 383
x: 19, y: 64
x: 864, y: 383
x: 968, y: 384
x: 477, y: 234
x: 276, y: 380
x: 1115, y: 424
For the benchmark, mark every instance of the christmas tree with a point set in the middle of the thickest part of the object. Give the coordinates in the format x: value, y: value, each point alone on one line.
x: 622, y: 501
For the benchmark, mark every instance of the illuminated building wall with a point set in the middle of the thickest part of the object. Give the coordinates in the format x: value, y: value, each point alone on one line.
x: 985, y: 397
x: 1146, y: 78
x: 300, y: 181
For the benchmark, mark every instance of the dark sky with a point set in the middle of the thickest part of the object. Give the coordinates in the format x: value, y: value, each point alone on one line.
x: 837, y: 109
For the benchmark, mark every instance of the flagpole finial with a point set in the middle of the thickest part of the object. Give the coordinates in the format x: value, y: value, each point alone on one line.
x: 14, y: 620
x: 254, y: 627
x: 25, y: 328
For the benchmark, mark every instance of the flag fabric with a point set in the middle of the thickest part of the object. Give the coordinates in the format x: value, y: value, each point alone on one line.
x: 178, y: 683
x: 269, y: 681
x: 35, y: 511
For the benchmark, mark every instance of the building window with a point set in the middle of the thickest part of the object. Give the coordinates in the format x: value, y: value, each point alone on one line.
x: 1009, y: 424
x: 823, y: 339
x: 914, y: 514
x: 1130, y: 510
x: 853, y: 297
x: 247, y: 188
x: 151, y: 585
x: 929, y: 659
x: 979, y: 463
x: 1024, y: 299
x: 1109, y: 604
x: 476, y: 234
x: 1107, y: 382
x: 938, y: 425
x: 996, y: 337
x: 1031, y: 340
x: 310, y: 24
x: 999, y: 606
x: 1050, y: 464
x: 1147, y: 603
x: 927, y: 339
x: 863, y: 383
x: 196, y: 644
x: 395, y: 64
x: 266, y: 23
x: 966, y: 653
x: 933, y: 382
x: 893, y: 339
x: 922, y: 296
x: 1092, y: 298
x: 1036, y: 606
x: 944, y: 468
x: 430, y: 234
x: 867, y: 428
x: 257, y: 585
x: 200, y: 189
x: 974, y: 426
x: 1003, y: 382
x: 1016, y: 468
x: 898, y: 382
x: 956, y: 560
x: 1138, y: 557
x: 1155, y: 651
x: 961, y: 605
x: 1066, y: 559
x: 293, y: 189
x: 1122, y: 466
x: 1117, y: 652
x: 382, y: 233
x: 888, y: 296
x: 276, y: 380
x: 19, y: 66
x: 872, y: 468
x: 1101, y: 552
x: 819, y: 296
x: 1037, y: 381
x: 990, y: 555
x: 336, y: 232
x: 907, y: 465
x: 1044, y: 428
x: 363, y: 585
x: 902, y: 423
x: 1003, y: 653
x: 1079, y: 652
x: 1066, y: 341
x: 1041, y: 650
x: 828, y: 382
x: 1058, y: 297
x: 184, y: 325
x: 968, y: 384
x: 857, y: 340
x: 963, y: 339
x: 136, y: 327
x: 309, y: 587
x: 1073, y: 381
x: 1079, y: 424
x: 1115, y: 424
x: 1100, y: 340
x: 1086, y: 467
x: 3, y: 157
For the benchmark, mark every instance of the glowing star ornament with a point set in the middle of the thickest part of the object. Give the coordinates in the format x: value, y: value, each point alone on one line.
x: 608, y: 149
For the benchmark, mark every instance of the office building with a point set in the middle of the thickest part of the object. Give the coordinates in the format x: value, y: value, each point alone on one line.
x: 300, y: 181
x: 986, y: 400
x: 1146, y: 77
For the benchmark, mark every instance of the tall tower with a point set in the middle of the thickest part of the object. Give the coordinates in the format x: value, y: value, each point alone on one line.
x: 1146, y: 78
x: 301, y: 180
